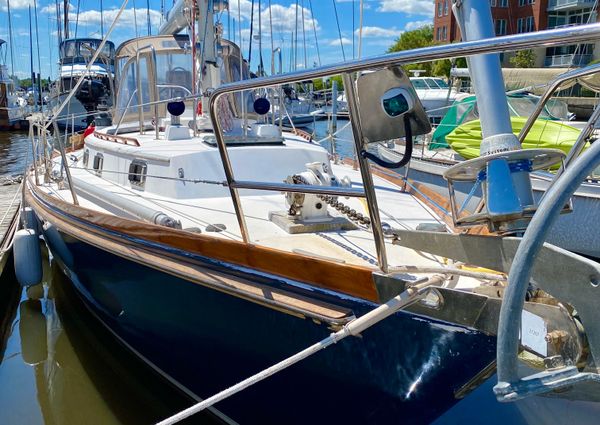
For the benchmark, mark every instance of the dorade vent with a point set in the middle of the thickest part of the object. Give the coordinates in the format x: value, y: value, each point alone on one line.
x: 98, y: 163
x: 86, y: 157
x: 137, y: 173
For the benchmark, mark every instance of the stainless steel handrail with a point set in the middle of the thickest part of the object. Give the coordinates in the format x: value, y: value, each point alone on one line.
x: 491, y: 45
x: 554, y: 84
x: 507, y: 43
x: 365, y: 172
x: 300, y: 188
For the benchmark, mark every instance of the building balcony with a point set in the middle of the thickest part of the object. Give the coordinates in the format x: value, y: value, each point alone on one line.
x: 572, y: 59
x: 564, y: 5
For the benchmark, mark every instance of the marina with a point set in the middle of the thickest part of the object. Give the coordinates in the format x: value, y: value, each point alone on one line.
x: 356, y: 235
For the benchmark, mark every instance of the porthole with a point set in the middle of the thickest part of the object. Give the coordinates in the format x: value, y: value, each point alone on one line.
x: 137, y: 173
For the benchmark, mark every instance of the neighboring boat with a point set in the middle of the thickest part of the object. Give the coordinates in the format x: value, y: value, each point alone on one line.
x: 435, y: 95
x: 215, y: 248
x: 12, y: 111
x: 458, y: 137
x: 94, y: 98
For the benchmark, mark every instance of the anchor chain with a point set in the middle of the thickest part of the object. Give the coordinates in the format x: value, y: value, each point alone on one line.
x: 332, y: 201
x: 352, y: 214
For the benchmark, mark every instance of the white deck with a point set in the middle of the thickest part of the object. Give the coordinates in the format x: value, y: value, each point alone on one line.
x: 397, y: 209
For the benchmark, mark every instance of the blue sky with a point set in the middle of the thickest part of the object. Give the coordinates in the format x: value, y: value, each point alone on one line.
x: 383, y: 21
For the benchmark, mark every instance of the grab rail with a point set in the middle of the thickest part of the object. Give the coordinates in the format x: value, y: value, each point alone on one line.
x: 491, y: 45
x: 554, y: 84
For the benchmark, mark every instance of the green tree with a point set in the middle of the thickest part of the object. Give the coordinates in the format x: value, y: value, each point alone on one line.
x: 423, y: 37
x: 420, y: 37
x: 523, y: 59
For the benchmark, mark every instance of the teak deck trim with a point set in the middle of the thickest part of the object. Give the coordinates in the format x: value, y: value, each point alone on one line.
x: 349, y: 279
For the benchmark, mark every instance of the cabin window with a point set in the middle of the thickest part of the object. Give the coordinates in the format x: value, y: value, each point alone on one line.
x: 137, y: 173
x: 98, y: 163
x: 86, y: 157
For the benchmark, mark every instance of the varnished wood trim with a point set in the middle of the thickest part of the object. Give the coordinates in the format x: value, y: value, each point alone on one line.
x: 117, y: 139
x: 349, y: 279
x: 191, y: 270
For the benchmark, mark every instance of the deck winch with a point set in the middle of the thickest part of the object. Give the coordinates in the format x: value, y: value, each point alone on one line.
x: 308, y: 212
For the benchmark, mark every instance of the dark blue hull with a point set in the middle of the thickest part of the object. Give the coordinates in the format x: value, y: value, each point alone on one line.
x: 405, y: 369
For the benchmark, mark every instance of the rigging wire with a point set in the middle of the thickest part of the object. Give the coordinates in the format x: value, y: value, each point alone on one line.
x: 251, y: 33
x: 360, y: 30
x: 337, y: 21
x: 314, y: 25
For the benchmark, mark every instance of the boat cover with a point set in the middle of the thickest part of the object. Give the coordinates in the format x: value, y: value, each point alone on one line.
x: 466, y: 138
x: 464, y: 110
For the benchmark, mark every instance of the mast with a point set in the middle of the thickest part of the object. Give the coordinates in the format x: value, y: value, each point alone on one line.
x: 10, y: 40
x: 37, y: 40
x: 101, y: 20
x: 31, y: 56
x: 66, y: 17
x: 148, y: 17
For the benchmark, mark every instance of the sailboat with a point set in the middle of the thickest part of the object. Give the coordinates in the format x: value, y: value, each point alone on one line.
x: 94, y: 98
x: 12, y: 110
x: 215, y: 245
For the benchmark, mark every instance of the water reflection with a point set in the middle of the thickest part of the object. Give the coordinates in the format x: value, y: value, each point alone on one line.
x: 15, y: 151
x: 60, y: 366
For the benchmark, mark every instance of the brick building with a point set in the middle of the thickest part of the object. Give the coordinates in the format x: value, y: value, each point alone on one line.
x: 518, y: 16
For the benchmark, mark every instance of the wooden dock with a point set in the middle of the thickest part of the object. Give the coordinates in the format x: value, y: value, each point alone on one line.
x: 10, y: 200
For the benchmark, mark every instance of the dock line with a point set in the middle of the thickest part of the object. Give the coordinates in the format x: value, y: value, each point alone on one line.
x: 355, y: 327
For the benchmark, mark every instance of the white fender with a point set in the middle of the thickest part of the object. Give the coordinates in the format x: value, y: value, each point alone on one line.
x: 27, y: 257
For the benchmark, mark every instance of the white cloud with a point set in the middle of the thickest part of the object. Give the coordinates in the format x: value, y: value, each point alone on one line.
x: 379, y: 32
x: 413, y: 25
x: 410, y: 7
x: 16, y: 4
x: 127, y: 19
x: 336, y: 42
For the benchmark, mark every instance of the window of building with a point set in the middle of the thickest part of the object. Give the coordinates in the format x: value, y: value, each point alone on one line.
x: 530, y: 1
x: 520, y: 25
x: 437, y: 33
x: 529, y: 24
x: 445, y: 7
x: 444, y: 33
x: 493, y: 3
x: 439, y: 5
x: 500, y: 25
x: 503, y: 3
x: 521, y: 2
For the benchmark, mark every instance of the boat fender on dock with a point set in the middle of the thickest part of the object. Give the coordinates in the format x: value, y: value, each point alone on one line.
x: 30, y: 220
x: 27, y: 257
x: 57, y: 244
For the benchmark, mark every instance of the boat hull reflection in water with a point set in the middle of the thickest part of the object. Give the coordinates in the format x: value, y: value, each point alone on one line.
x: 79, y: 373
